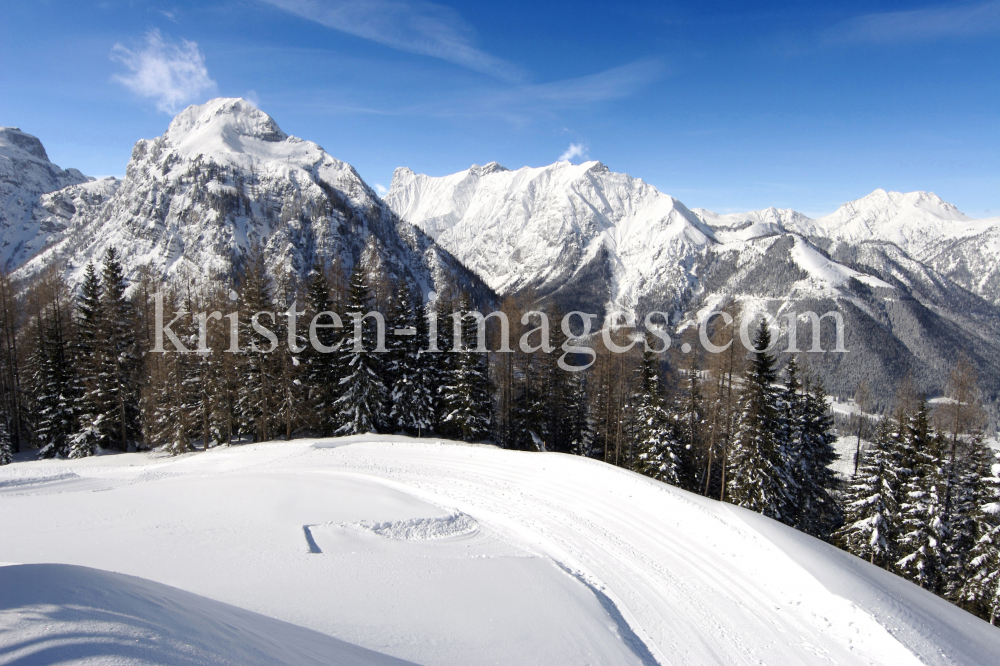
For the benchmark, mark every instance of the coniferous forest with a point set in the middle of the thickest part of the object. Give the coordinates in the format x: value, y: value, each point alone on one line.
x: 80, y: 376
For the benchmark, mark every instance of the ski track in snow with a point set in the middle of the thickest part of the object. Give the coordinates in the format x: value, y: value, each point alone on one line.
x: 672, y: 577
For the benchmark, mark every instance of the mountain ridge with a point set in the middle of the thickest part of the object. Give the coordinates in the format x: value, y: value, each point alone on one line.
x: 222, y: 179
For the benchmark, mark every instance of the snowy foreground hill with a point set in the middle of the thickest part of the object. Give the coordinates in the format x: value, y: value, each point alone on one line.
x: 375, y: 549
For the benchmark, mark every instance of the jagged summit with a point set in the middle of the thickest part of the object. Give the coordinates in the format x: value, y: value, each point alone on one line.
x: 486, y: 169
x: 232, y: 116
x: 26, y: 175
x: 556, y: 228
x: 222, y: 179
x: 14, y: 138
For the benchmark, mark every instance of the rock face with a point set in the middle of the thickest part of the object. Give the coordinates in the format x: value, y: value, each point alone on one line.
x: 582, y: 233
x: 914, y: 279
x: 222, y: 179
x: 25, y: 175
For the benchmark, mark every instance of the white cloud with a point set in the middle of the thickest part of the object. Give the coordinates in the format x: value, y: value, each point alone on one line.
x: 171, y: 74
x: 380, y: 188
x: 920, y: 24
x: 425, y: 28
x: 574, y: 150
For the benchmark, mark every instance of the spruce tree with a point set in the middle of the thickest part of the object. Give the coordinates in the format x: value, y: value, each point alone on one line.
x: 468, y: 398
x: 256, y: 403
x: 658, y: 446
x: 323, y: 370
x: 689, y: 418
x: 89, y: 354
x: 581, y: 427
x: 923, y: 533
x: 977, y: 572
x: 870, y: 503
x: 363, y: 402
x: 757, y: 477
x: 120, y: 371
x: 412, y: 400
x: 6, y: 448
x: 817, y: 511
x: 442, y: 364
x: 55, y: 386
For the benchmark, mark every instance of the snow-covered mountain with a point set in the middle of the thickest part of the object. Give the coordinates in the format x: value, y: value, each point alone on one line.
x: 580, y: 232
x: 921, y: 225
x: 892, y: 264
x: 223, y: 178
x: 25, y: 175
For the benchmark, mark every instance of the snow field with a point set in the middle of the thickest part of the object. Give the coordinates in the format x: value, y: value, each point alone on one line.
x: 444, y: 553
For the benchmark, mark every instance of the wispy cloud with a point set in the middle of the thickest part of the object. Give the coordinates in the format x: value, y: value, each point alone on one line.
x: 574, y: 150
x: 381, y: 189
x: 520, y: 102
x: 920, y: 24
x: 424, y: 28
x: 171, y: 74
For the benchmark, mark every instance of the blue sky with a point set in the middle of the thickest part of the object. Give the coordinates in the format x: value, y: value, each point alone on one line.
x: 724, y: 105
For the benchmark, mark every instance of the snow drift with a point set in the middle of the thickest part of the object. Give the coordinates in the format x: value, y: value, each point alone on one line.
x: 57, y: 613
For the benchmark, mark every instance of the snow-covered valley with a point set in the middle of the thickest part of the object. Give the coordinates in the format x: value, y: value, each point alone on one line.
x: 433, y: 552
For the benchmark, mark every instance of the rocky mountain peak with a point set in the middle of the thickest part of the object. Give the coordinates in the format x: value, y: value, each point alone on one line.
x: 13, y: 137
x: 227, y: 121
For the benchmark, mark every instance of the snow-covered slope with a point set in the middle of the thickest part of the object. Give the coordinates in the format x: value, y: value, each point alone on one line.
x: 223, y: 178
x: 583, y: 231
x: 57, y: 613
x: 25, y: 175
x: 444, y: 553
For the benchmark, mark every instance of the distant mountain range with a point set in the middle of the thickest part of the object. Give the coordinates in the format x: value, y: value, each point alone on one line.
x: 916, y: 281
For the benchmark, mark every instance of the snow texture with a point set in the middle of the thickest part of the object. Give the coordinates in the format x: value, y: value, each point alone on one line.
x: 539, y: 558
x: 58, y: 613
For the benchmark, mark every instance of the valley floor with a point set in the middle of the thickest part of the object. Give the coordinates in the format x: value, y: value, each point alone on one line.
x: 431, y: 552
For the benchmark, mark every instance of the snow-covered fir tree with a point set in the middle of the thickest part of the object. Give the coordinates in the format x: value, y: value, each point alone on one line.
x: 324, y: 369
x: 257, y: 400
x: 817, y: 511
x: 978, y: 505
x: 411, y: 395
x: 870, y: 503
x: 119, y: 375
x: 658, y: 446
x: 364, y: 397
x: 689, y: 420
x: 88, y: 362
x: 6, y: 448
x: 467, y: 398
x: 757, y: 476
x: 54, y: 380
x: 581, y: 433
x: 923, y: 532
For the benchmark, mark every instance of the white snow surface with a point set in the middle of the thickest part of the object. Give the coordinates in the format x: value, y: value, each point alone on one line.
x: 59, y: 613
x: 438, y: 553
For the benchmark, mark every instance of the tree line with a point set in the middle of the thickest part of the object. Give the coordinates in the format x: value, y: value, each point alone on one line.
x: 78, y: 375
